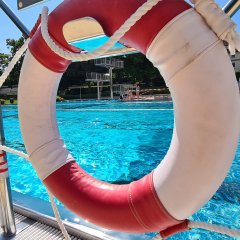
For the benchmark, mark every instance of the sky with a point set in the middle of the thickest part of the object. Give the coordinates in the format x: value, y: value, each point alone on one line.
x: 30, y: 15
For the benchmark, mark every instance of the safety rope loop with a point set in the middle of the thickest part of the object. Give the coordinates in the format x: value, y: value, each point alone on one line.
x: 219, y: 22
x: 188, y: 225
x: 15, y: 152
x: 15, y: 59
x: 215, y: 228
x: 83, y: 56
x: 157, y: 237
x: 57, y: 216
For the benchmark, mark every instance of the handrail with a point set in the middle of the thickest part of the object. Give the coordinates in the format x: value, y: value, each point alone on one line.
x: 6, y: 207
x: 14, y: 19
x: 231, y: 7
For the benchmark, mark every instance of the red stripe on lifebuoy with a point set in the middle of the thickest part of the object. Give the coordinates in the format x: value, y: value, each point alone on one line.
x: 181, y: 227
x: 131, y: 208
x: 3, y: 154
x: 3, y: 170
x: 111, y: 15
x: 2, y: 163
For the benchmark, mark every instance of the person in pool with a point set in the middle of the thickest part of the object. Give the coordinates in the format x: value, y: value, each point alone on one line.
x: 137, y: 90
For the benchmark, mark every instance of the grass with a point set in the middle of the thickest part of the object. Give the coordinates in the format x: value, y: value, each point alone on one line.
x: 7, y: 102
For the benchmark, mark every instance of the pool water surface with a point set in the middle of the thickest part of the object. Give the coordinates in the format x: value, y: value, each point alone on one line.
x: 120, y: 142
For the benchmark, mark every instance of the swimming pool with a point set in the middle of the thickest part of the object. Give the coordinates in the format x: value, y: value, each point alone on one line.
x: 120, y: 142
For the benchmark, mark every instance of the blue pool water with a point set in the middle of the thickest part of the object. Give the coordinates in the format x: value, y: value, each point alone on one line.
x: 120, y: 142
x: 91, y: 44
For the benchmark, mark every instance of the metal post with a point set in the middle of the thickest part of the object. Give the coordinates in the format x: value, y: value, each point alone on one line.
x: 98, y: 91
x: 14, y: 19
x: 6, y: 208
x: 111, y: 82
x: 231, y: 7
x: 101, y: 88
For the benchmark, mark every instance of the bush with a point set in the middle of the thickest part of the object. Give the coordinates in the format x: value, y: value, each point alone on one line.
x: 238, y: 75
x: 59, y: 99
x: 7, y: 97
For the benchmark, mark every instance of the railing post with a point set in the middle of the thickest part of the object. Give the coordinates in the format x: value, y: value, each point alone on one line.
x: 98, y: 91
x: 14, y: 19
x: 6, y: 207
x: 231, y: 7
x: 111, y: 82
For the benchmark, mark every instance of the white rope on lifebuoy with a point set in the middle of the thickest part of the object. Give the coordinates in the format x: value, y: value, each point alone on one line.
x: 215, y: 228
x: 219, y: 22
x: 57, y: 216
x: 158, y: 237
x: 141, y: 11
x: 15, y: 152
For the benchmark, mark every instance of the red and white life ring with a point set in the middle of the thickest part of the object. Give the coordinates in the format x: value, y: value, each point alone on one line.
x: 199, y: 74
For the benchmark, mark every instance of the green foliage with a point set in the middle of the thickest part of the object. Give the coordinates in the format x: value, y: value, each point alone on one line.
x: 59, y: 99
x: 2, y: 100
x: 14, y: 45
x: 8, y: 101
x: 4, y: 60
x: 76, y: 74
x: 137, y: 68
x: 238, y: 75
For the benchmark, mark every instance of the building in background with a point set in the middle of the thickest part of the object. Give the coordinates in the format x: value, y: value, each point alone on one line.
x: 236, y: 61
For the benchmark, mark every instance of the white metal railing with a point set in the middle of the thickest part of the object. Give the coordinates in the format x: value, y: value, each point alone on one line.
x: 97, y: 76
x: 109, y: 62
x: 122, y: 88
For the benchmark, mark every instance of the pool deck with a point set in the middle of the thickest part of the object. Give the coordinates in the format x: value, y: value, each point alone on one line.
x: 32, y: 225
x: 29, y: 229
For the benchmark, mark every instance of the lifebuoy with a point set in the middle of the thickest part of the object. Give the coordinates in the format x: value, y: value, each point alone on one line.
x: 199, y: 74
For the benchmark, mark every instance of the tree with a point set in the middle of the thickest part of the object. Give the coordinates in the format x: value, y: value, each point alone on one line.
x: 137, y: 68
x: 4, y: 60
x: 76, y: 73
x: 238, y: 75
